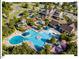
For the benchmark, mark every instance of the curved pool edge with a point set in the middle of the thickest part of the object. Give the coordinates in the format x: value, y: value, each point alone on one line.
x: 13, y: 40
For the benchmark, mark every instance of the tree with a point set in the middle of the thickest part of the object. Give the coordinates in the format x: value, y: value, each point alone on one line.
x: 47, y: 46
x: 36, y: 4
x: 6, y: 8
x: 42, y: 51
x: 25, y: 14
x: 25, y: 5
x: 71, y: 49
x: 67, y: 19
x: 7, y: 30
x: 31, y: 23
x: 53, y: 40
x: 15, y: 20
x: 47, y: 49
x: 66, y: 37
x: 39, y: 27
x: 46, y: 21
x: 45, y: 6
x: 21, y: 49
x: 49, y: 6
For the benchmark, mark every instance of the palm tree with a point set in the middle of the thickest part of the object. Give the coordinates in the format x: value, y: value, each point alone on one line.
x: 25, y: 5
x: 45, y: 6
x: 53, y: 40
x: 37, y: 4
x: 65, y: 36
x: 6, y: 7
x: 49, y: 6
x: 25, y: 14
x: 46, y: 21
x: 42, y: 51
x: 47, y: 49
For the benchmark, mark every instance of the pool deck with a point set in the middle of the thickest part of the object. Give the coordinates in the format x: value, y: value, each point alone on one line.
x: 16, y: 33
x: 6, y: 40
x: 51, y: 30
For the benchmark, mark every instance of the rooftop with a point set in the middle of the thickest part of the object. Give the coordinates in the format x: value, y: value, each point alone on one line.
x: 66, y: 28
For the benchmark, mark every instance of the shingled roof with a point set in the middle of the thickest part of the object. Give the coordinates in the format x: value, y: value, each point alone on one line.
x: 53, y: 23
x: 66, y: 28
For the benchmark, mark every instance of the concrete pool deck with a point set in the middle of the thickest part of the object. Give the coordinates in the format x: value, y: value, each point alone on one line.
x: 6, y: 40
x: 16, y: 33
x: 52, y: 31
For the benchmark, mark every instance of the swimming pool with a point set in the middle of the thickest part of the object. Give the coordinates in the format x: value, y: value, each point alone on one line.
x: 16, y: 40
x: 37, y: 38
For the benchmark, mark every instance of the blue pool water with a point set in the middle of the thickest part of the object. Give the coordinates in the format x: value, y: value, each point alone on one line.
x: 46, y: 28
x: 38, y: 42
x: 25, y: 34
x: 16, y: 40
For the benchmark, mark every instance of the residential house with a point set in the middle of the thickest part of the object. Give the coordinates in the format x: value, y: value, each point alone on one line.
x: 70, y: 15
x: 56, y: 14
x: 42, y: 12
x: 66, y: 28
x: 46, y: 12
x: 63, y: 27
x: 52, y: 11
x: 53, y: 23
